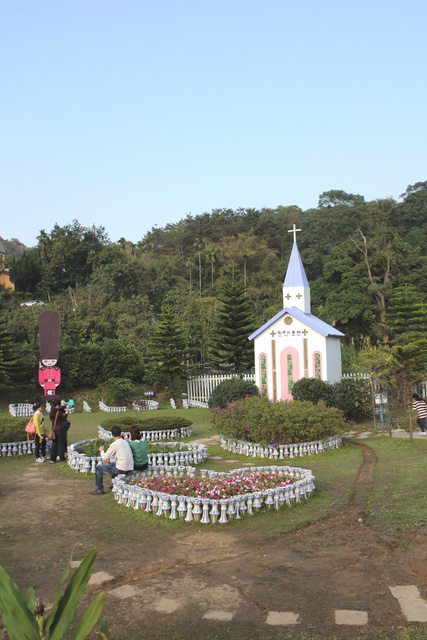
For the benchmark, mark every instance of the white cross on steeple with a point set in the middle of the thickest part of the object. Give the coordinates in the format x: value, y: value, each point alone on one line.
x: 294, y: 231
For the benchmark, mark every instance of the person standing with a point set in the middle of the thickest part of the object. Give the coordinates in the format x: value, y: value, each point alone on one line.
x: 421, y: 408
x: 59, y: 445
x: 40, y: 434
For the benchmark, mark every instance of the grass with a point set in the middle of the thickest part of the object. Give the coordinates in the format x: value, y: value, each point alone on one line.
x: 398, y: 498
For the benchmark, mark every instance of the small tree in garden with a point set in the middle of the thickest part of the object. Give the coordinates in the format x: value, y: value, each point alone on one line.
x: 230, y: 349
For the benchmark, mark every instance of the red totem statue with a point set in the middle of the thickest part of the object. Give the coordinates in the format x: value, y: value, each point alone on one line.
x: 49, y: 373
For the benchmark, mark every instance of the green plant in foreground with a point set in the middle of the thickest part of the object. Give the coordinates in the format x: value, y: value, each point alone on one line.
x: 24, y: 618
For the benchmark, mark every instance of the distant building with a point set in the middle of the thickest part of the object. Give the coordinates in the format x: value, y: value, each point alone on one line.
x: 294, y: 343
x: 4, y: 273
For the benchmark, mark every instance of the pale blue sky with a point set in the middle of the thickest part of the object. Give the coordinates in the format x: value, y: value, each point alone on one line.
x: 128, y: 114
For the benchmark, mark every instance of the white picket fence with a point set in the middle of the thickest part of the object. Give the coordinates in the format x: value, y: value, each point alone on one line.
x: 199, y: 388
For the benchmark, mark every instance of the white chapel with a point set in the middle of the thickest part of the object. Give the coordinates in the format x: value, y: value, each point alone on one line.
x: 295, y: 344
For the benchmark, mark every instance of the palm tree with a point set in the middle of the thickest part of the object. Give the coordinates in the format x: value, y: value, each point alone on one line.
x: 190, y: 263
x: 210, y: 254
x: 198, y: 246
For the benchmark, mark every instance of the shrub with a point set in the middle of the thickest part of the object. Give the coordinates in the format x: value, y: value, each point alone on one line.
x: 352, y: 397
x: 150, y: 424
x: 260, y: 420
x: 232, y: 390
x: 91, y: 449
x: 313, y: 390
x: 13, y: 429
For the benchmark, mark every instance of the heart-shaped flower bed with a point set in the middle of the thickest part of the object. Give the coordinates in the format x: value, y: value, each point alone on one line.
x: 215, y: 497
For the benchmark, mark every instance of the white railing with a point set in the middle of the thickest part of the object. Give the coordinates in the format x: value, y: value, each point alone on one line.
x: 355, y: 376
x: 86, y: 407
x: 189, y: 454
x: 194, y: 403
x: 21, y: 410
x: 145, y: 405
x: 281, y: 451
x: 152, y: 435
x: 20, y: 448
x: 104, y: 407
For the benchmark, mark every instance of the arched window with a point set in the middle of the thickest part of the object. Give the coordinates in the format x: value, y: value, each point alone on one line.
x: 263, y: 375
x: 289, y: 371
x: 317, y: 365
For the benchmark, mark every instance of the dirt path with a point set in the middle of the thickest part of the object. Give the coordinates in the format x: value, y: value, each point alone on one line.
x: 207, y: 583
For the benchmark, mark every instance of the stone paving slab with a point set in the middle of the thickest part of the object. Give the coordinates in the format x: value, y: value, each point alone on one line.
x: 100, y: 577
x: 407, y: 591
x: 220, y: 616
x: 414, y: 608
x: 126, y: 591
x: 167, y: 605
x: 283, y: 618
x: 351, y: 618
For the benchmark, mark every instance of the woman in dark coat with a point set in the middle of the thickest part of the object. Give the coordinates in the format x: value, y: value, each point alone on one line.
x: 59, y: 445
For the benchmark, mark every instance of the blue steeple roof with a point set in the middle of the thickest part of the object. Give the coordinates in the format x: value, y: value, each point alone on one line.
x: 295, y: 274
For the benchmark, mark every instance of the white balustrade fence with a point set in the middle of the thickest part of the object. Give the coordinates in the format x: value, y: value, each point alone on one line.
x: 174, y: 461
x: 194, y: 403
x: 208, y: 510
x: 152, y: 435
x: 23, y: 410
x: 20, y: 448
x: 146, y: 405
x: 107, y: 409
x: 86, y: 407
x: 281, y: 451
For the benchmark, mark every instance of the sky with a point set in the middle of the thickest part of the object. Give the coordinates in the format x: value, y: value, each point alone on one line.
x: 133, y: 113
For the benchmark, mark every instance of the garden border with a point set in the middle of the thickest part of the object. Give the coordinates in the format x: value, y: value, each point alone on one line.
x: 195, y: 454
x: 24, y: 447
x: 152, y: 435
x: 280, y: 451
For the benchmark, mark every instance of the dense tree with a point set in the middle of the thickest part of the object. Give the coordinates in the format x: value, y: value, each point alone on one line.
x: 406, y: 316
x: 230, y: 348
x: 13, y: 368
x: 168, y: 352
